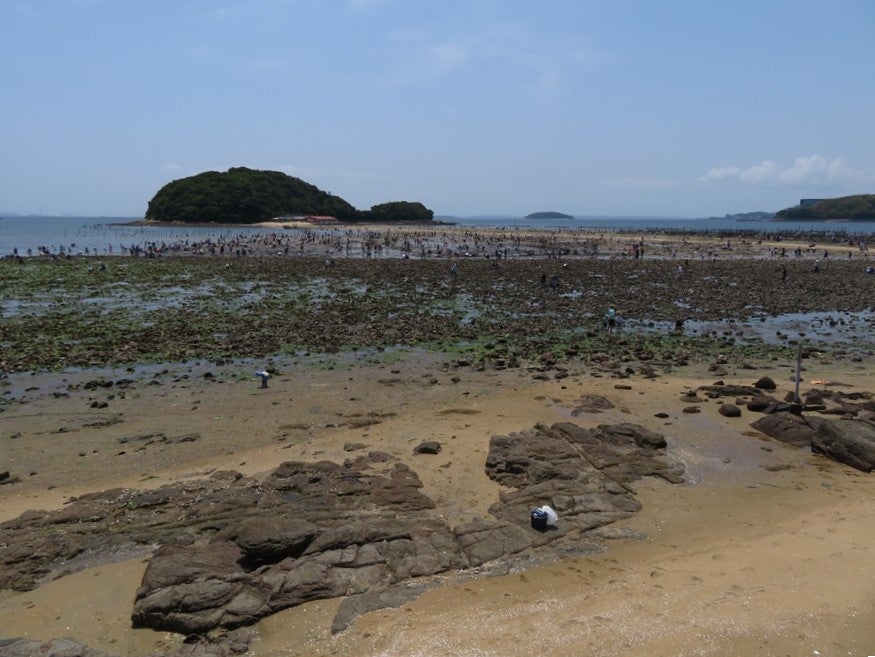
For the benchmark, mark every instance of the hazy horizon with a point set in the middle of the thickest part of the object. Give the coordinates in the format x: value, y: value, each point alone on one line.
x: 482, y: 107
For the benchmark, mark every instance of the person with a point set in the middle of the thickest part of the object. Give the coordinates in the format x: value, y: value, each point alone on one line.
x: 611, y: 319
x: 783, y: 274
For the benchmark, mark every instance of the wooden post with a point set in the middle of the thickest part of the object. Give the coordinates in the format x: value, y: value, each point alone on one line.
x: 796, y: 398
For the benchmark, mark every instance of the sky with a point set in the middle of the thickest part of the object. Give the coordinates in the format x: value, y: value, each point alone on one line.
x: 473, y: 107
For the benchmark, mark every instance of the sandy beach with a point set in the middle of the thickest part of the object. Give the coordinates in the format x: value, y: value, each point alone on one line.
x: 765, y: 549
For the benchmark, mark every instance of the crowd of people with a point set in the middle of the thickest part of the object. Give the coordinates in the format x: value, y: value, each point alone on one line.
x: 460, y: 242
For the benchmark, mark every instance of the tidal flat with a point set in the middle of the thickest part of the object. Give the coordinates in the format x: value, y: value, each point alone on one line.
x: 131, y: 420
x: 66, y: 313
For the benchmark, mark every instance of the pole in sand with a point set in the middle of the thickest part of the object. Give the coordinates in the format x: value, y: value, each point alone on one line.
x: 796, y: 399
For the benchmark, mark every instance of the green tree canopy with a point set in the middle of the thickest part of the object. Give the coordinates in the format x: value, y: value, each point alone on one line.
x: 242, y: 195
x: 860, y: 207
x: 400, y: 211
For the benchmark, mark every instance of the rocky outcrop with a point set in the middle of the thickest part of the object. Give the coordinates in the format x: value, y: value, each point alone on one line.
x: 234, y: 549
x: 590, y: 403
x: 851, y: 442
x: 225, y: 644
x: 847, y: 441
x: 584, y: 474
x: 786, y: 427
x: 62, y: 647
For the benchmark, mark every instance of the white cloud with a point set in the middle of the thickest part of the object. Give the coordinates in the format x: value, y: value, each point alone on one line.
x: 759, y: 173
x: 808, y: 170
x: 721, y: 173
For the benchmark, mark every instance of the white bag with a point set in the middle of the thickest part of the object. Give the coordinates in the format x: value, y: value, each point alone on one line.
x: 552, y: 517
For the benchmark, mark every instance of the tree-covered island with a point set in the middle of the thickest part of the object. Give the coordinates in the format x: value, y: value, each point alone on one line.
x: 245, y: 196
x: 548, y: 215
x: 860, y: 207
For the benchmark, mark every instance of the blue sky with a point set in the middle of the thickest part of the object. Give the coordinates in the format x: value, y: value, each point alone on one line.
x: 611, y: 107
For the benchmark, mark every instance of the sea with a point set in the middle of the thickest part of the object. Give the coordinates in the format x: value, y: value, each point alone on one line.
x: 114, y: 235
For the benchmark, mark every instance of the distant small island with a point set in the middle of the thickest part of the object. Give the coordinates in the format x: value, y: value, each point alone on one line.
x: 749, y: 216
x: 548, y: 215
x: 860, y: 207
x: 247, y: 196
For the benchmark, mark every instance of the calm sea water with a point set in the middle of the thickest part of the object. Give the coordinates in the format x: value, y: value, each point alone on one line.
x: 100, y: 234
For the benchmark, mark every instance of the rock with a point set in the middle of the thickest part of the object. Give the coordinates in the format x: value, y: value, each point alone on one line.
x: 848, y: 441
x: 97, y: 383
x: 592, y: 404
x: 390, y: 598
x: 428, y: 447
x: 236, y: 549
x: 691, y: 409
x: 185, y: 588
x: 269, y: 540
x: 786, y: 427
x: 731, y: 390
x: 353, y: 447
x: 483, y: 541
x: 851, y: 442
x: 617, y: 533
x: 637, y: 434
x: 760, y: 403
x: 765, y: 383
x: 64, y: 647
x: 729, y: 410
x: 6, y: 478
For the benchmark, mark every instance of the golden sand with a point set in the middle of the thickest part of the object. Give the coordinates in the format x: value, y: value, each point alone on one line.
x: 741, y: 560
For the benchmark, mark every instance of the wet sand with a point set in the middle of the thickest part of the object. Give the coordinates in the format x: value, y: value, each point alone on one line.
x: 766, y: 550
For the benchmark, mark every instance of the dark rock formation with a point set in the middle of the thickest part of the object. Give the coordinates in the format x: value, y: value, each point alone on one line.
x: 786, y: 427
x: 765, y: 383
x: 235, y: 549
x: 851, y: 442
x: 731, y: 390
x: 847, y: 441
x: 428, y: 447
x: 227, y: 644
x: 6, y: 478
x: 729, y: 410
x: 592, y: 404
x: 63, y: 647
